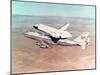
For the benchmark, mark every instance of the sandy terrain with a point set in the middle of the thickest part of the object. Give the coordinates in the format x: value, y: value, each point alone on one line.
x: 27, y: 57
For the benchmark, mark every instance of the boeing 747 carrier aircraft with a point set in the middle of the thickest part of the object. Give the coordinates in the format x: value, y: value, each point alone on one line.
x: 48, y: 35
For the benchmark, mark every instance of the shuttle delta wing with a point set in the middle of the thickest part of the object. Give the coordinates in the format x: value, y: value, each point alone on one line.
x: 64, y: 27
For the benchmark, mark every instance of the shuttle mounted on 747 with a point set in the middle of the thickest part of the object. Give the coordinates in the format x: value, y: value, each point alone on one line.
x: 49, y: 35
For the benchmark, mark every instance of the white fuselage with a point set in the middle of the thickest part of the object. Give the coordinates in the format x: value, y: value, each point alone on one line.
x: 39, y: 37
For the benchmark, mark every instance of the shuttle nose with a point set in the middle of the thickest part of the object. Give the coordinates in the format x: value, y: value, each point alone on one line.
x: 35, y: 26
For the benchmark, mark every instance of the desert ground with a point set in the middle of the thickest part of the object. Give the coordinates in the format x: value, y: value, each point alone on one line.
x: 28, y: 57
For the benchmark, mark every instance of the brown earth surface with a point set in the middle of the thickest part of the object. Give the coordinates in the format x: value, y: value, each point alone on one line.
x: 28, y: 57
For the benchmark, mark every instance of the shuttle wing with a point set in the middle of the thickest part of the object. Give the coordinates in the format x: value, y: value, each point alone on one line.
x: 64, y: 27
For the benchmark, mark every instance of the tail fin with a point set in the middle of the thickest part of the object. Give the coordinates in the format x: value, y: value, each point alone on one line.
x: 64, y: 27
x: 83, y: 40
